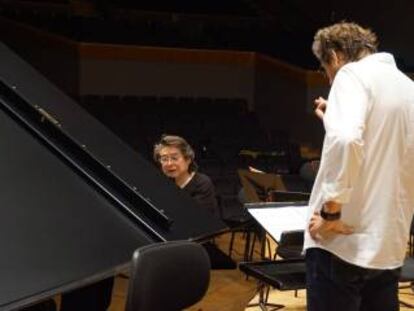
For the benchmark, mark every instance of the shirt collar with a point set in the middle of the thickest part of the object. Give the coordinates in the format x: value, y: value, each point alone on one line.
x: 381, y: 57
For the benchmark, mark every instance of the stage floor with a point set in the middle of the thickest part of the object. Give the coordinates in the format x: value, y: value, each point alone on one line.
x: 230, y: 291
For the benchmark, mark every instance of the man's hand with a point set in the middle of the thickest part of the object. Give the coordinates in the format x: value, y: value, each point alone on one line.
x: 320, y: 107
x: 320, y: 228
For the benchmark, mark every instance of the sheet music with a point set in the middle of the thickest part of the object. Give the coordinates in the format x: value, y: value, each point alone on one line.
x: 279, y: 219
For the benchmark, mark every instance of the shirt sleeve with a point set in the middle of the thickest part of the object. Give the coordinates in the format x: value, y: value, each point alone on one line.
x: 344, y: 122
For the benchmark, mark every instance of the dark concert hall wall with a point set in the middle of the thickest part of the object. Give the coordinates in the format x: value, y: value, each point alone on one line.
x: 281, y: 94
x: 284, y: 97
x: 392, y: 21
x: 55, y: 57
x: 282, y: 101
x: 178, y: 76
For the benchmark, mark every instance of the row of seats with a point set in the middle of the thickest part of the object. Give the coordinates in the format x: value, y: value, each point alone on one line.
x: 171, y: 29
x: 226, y: 136
x: 122, y: 26
x: 170, y: 103
x: 48, y: 1
x: 219, y: 128
x: 232, y: 7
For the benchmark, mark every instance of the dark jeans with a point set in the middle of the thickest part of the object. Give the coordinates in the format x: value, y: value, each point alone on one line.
x: 333, y: 284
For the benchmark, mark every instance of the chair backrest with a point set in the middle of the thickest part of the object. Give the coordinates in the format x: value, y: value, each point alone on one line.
x: 291, y: 244
x: 288, y: 196
x: 407, y: 270
x: 168, y: 276
x: 292, y: 238
x: 411, y: 239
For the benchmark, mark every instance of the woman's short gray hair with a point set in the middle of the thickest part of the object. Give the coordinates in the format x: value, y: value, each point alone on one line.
x: 179, y: 143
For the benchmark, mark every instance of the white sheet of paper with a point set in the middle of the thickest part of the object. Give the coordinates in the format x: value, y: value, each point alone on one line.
x: 279, y: 219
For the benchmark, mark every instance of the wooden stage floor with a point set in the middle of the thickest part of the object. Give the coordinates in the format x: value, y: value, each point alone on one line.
x: 230, y: 291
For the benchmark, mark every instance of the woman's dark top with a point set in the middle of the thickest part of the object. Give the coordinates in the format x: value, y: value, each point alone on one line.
x: 201, y: 189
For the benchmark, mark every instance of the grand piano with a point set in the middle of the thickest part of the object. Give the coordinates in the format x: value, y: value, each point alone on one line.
x: 75, y: 201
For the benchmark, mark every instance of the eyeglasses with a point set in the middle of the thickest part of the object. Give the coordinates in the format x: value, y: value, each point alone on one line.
x: 170, y: 158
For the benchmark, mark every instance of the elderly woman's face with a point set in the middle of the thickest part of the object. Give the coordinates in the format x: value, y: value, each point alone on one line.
x: 173, y: 163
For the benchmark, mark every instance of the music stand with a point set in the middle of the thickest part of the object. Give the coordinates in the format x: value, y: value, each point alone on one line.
x: 277, y: 218
x: 281, y: 274
x: 288, y: 196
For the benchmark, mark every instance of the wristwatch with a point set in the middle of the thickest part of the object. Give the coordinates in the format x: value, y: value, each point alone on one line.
x: 330, y: 216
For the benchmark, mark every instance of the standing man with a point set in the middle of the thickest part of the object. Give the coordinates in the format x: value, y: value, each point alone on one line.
x: 362, y: 201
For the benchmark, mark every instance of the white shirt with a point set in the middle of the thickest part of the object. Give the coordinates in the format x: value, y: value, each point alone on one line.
x: 367, y: 162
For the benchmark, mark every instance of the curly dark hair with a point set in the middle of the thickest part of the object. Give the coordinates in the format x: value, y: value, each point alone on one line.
x: 352, y: 40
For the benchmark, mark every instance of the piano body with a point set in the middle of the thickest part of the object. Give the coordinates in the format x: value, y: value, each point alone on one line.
x: 75, y: 200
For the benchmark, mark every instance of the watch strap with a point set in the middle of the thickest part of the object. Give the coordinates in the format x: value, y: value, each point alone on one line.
x: 330, y: 216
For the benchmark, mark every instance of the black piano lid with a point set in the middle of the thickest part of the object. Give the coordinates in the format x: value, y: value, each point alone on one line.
x: 76, y: 201
x: 122, y: 163
x: 56, y: 230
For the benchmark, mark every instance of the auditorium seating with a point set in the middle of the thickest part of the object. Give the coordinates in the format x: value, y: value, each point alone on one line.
x: 215, y: 127
x: 232, y: 7
x: 199, y: 26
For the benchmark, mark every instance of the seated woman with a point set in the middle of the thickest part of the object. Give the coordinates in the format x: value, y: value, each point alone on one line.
x: 176, y: 159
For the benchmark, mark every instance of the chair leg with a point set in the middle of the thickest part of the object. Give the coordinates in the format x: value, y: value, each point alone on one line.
x: 252, y: 246
x: 403, y: 303
x: 263, y: 291
x: 263, y: 245
x: 247, y: 249
x: 247, y: 246
x: 266, y: 298
x: 268, y: 248
x: 231, y: 243
x: 406, y: 304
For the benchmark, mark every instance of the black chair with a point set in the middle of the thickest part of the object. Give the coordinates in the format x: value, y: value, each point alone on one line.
x: 280, y: 274
x: 238, y: 220
x: 407, y: 270
x: 411, y: 240
x: 168, y: 276
x: 288, y: 196
x: 290, y: 245
x: 407, y: 275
